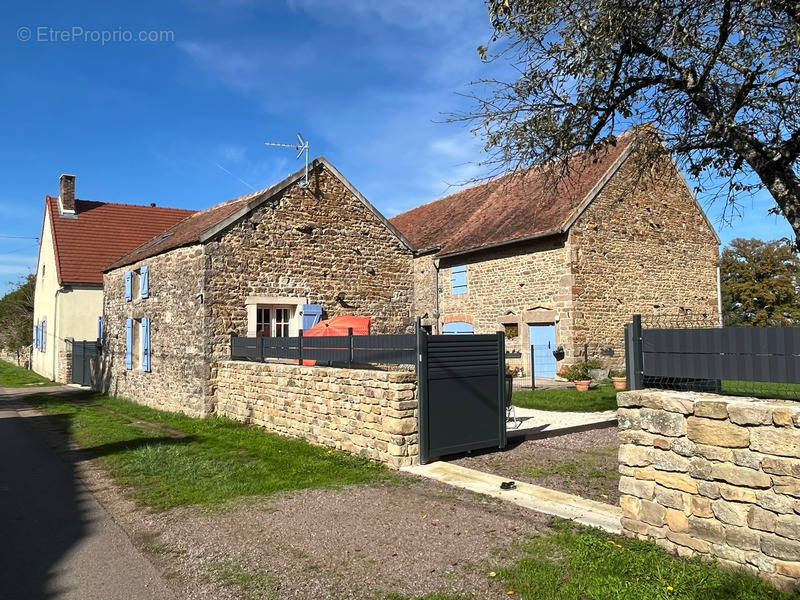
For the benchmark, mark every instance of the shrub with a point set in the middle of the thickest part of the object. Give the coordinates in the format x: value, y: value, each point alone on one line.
x: 616, y: 373
x: 575, y: 372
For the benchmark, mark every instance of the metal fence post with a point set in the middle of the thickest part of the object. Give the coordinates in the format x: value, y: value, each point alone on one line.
x: 261, y: 348
x: 350, y: 346
x: 634, y: 360
x: 300, y: 347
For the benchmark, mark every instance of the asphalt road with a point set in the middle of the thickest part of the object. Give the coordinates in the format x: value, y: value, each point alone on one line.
x: 56, y: 540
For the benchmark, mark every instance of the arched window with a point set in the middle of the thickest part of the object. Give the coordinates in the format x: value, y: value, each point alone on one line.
x: 459, y: 327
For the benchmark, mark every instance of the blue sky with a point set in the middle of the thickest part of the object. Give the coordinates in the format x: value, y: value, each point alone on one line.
x: 366, y: 82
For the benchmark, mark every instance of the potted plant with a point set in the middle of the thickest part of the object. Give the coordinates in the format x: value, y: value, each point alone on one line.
x: 619, y: 379
x: 596, y: 370
x: 577, y: 374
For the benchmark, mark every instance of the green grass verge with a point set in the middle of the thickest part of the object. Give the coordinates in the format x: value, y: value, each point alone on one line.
x: 167, y: 459
x: 600, y: 398
x: 578, y: 562
x: 761, y: 389
x: 581, y: 563
x: 14, y: 376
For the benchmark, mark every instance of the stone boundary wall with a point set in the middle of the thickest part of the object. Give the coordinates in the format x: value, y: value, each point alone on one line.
x: 366, y: 412
x: 714, y: 475
x: 20, y: 357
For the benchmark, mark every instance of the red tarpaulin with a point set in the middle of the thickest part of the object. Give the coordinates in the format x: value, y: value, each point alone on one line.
x: 339, y: 326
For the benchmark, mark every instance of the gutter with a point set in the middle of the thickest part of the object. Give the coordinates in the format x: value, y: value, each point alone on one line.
x: 719, y: 295
x: 536, y: 236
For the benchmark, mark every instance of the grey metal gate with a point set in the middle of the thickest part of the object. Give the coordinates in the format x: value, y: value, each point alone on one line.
x: 82, y: 353
x: 461, y: 393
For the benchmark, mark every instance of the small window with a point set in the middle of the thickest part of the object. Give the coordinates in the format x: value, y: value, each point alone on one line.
x: 458, y: 280
x: 512, y: 330
x: 273, y: 321
x: 281, y: 322
x: 263, y: 322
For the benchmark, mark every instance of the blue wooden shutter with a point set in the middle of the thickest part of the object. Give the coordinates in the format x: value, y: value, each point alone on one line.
x: 146, y: 344
x: 44, y: 336
x: 144, y: 282
x: 128, y: 291
x: 458, y: 280
x: 129, y: 344
x: 100, y: 328
x: 36, y: 336
x: 311, y: 315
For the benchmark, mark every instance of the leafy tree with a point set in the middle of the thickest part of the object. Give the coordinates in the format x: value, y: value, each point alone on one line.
x: 16, y: 315
x: 718, y: 80
x: 760, y: 284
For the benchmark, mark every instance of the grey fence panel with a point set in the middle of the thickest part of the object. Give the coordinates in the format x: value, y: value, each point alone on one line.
x: 764, y: 354
x: 384, y: 349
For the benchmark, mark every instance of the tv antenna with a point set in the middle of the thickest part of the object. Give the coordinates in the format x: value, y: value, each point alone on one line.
x: 301, y: 146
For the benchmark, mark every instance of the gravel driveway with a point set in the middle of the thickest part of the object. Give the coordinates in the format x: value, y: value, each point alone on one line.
x: 583, y: 463
x: 359, y: 542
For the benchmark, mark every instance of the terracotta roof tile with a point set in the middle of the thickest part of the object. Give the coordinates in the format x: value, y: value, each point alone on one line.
x: 513, y: 206
x: 102, y: 232
x: 186, y: 232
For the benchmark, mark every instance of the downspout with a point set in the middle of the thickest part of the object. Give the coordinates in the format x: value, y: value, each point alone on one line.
x: 435, y: 262
x: 719, y: 295
x: 55, y: 330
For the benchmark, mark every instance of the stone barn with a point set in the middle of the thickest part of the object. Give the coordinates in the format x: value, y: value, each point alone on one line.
x: 269, y: 263
x: 565, y: 264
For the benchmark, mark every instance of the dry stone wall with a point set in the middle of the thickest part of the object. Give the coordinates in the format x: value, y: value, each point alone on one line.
x: 366, y: 412
x: 20, y: 357
x: 714, y: 475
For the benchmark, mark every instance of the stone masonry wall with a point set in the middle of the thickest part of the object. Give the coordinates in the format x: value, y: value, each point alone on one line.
x: 365, y: 412
x: 317, y: 242
x: 180, y: 371
x: 642, y: 246
x: 714, y: 475
x: 20, y: 357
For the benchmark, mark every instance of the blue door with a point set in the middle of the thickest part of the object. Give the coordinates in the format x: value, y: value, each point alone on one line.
x: 543, y: 342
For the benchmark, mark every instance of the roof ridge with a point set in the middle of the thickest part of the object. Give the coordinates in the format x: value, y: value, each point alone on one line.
x: 128, y: 204
x: 525, y: 172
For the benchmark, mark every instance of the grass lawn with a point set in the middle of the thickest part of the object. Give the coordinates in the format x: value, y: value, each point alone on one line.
x: 600, y: 398
x: 14, y: 376
x: 167, y: 459
x: 578, y: 563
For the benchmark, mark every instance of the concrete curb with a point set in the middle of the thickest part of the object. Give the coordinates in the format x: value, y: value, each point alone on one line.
x: 534, y: 497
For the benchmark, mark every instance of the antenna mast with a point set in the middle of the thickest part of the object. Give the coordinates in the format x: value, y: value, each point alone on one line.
x: 301, y: 146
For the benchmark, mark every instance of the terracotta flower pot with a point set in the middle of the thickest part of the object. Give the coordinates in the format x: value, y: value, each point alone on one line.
x: 582, y: 385
x: 619, y: 382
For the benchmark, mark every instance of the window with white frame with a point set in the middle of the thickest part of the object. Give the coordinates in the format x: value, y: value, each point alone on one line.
x: 274, y: 321
x: 282, y: 322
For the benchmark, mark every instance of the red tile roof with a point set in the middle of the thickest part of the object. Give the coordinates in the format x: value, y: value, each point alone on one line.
x: 102, y: 232
x: 188, y: 231
x: 511, y: 207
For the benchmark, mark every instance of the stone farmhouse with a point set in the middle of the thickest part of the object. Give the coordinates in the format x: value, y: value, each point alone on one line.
x: 565, y: 265
x: 79, y: 238
x: 269, y: 263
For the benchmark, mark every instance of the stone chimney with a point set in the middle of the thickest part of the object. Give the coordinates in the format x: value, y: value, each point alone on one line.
x: 66, y: 195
